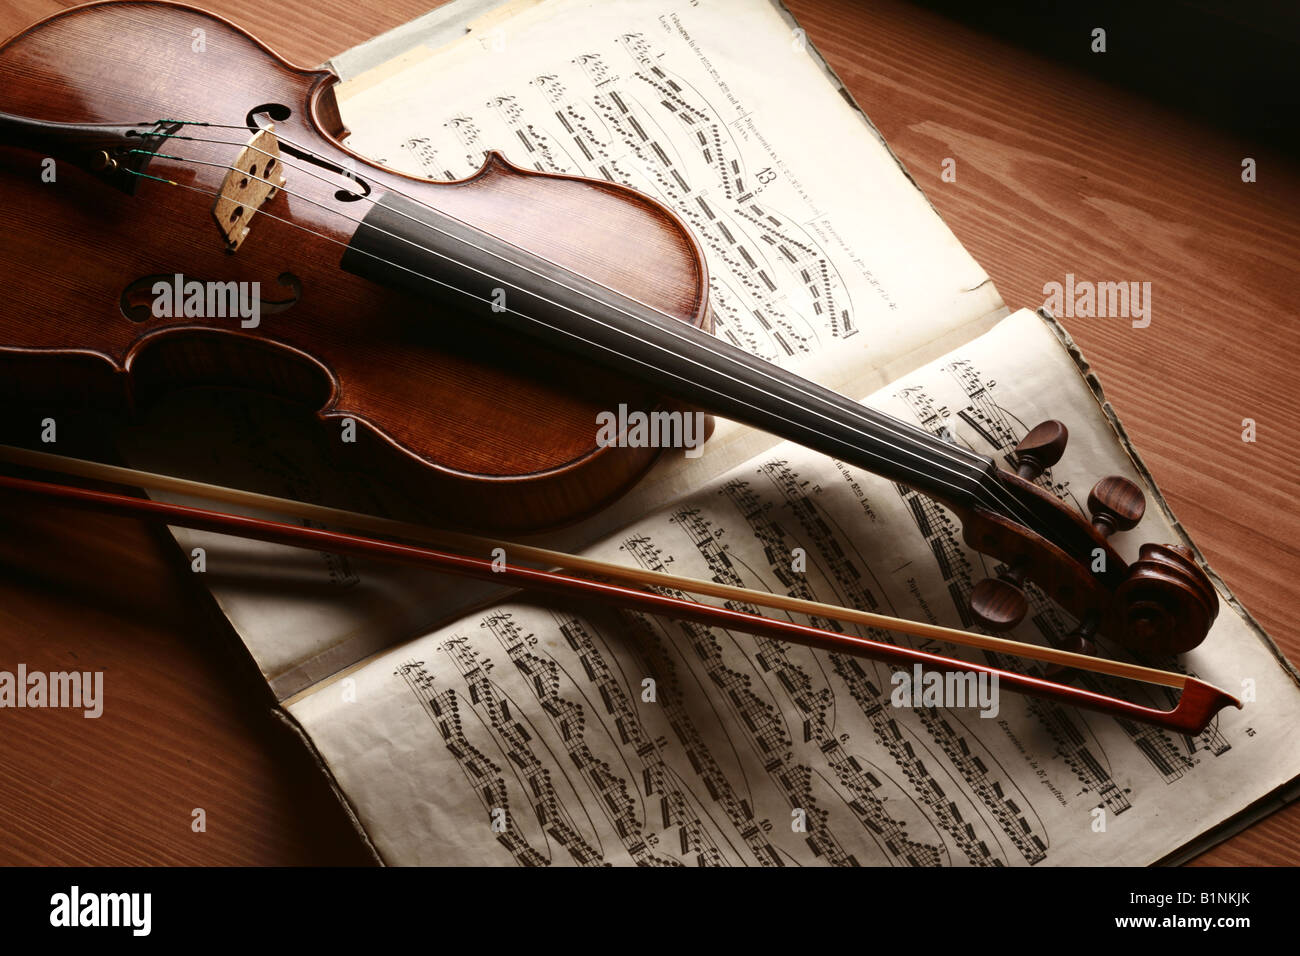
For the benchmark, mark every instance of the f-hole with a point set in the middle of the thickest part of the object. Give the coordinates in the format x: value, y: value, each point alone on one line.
x: 278, y: 113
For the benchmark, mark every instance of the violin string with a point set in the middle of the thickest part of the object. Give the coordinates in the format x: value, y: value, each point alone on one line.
x: 925, y: 440
x: 454, y: 261
x: 595, y: 345
x: 920, y: 438
x: 917, y: 436
x: 981, y: 487
x: 981, y: 490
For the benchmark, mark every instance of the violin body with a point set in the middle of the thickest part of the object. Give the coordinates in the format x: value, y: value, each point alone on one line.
x: 468, y: 416
x: 484, y: 425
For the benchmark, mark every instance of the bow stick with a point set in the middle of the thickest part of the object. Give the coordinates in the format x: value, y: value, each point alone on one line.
x: 1197, y: 705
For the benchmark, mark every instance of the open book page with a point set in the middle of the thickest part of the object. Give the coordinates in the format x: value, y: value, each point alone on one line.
x: 823, y: 255
x: 529, y: 734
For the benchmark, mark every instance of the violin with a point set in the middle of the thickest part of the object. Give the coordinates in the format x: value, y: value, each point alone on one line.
x: 471, y: 331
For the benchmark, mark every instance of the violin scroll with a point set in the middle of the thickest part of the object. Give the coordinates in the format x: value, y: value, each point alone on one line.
x: 1163, y: 603
x: 1166, y: 604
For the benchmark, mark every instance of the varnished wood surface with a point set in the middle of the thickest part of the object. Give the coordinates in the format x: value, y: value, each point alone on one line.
x: 1056, y: 172
x: 380, y: 359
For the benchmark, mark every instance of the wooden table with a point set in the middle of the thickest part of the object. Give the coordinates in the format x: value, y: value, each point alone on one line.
x: 1056, y: 172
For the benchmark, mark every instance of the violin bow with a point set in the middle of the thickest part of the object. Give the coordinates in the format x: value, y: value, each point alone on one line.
x: 1197, y: 705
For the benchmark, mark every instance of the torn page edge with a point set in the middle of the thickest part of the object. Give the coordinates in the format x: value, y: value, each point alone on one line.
x: 1264, y: 807
x: 843, y: 90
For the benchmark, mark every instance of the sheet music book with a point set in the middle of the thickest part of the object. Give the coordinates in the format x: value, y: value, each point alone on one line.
x: 464, y: 725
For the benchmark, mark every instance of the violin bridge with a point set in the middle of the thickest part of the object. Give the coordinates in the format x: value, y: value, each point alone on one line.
x: 254, y: 177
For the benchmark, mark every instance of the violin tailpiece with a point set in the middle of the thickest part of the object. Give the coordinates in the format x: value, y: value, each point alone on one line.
x: 254, y: 178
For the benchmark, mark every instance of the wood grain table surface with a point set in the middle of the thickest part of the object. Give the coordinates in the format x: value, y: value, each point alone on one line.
x: 1058, y: 171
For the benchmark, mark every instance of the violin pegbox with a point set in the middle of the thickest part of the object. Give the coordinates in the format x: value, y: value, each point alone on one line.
x: 254, y: 178
x: 1000, y: 603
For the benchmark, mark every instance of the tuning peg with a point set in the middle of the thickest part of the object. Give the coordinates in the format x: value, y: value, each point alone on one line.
x: 1040, y: 449
x: 1116, y: 504
x: 999, y: 603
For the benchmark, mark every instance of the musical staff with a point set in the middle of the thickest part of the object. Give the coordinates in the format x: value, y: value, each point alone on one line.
x: 443, y: 708
x: 760, y: 720
x: 812, y: 703
x: 941, y: 532
x: 992, y: 786
x: 614, y: 796
x: 658, y: 780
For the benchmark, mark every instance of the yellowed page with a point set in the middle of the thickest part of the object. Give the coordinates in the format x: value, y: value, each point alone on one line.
x: 822, y: 253
x: 528, y: 734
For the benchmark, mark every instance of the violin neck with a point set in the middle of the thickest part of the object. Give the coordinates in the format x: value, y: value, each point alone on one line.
x: 405, y: 244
